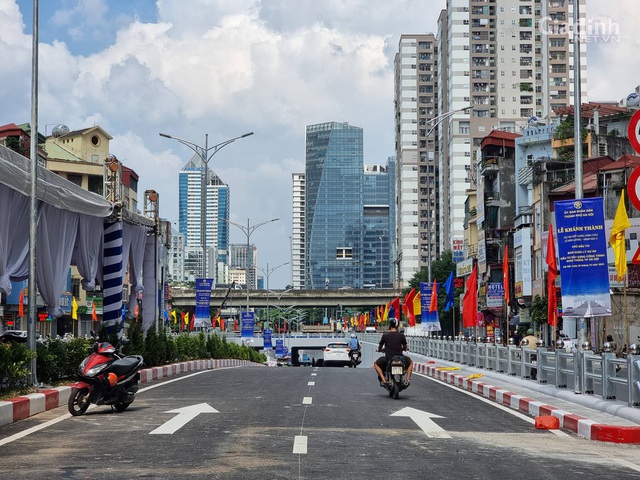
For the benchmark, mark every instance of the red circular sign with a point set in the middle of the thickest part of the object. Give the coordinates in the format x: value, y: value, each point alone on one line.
x: 633, y: 187
x: 633, y: 131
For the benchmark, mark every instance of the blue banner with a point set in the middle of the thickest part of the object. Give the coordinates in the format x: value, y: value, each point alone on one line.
x: 430, y: 320
x: 248, y: 323
x: 279, y: 347
x: 266, y: 337
x: 582, y: 254
x: 203, y: 302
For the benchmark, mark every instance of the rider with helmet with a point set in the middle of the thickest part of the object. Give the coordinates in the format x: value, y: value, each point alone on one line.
x: 354, y: 345
x: 393, y: 343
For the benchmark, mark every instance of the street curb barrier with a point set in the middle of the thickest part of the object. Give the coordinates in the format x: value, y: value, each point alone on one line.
x: 582, y: 426
x: 25, y: 406
x: 547, y: 422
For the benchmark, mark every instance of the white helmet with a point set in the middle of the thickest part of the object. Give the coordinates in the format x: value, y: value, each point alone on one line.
x: 353, y: 335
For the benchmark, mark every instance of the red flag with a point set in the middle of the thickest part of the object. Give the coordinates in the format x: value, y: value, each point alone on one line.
x: 94, y: 314
x: 433, y: 305
x: 552, y: 305
x: 222, y: 323
x: 407, y: 303
x: 470, y: 300
x: 396, y: 307
x: 505, y: 273
x: 21, y: 304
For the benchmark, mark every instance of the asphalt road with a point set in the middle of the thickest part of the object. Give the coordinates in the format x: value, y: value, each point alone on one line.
x: 301, y: 423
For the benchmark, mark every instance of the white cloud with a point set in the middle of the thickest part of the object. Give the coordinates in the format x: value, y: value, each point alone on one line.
x: 227, y: 67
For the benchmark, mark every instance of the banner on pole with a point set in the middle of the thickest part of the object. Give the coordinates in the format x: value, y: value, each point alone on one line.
x: 582, y: 252
x: 430, y: 320
x: 203, y: 305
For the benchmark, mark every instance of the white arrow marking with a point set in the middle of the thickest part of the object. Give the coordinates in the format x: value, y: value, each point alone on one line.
x: 423, y: 420
x: 185, y: 415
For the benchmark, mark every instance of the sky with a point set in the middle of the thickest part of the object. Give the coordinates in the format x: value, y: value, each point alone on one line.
x: 221, y: 68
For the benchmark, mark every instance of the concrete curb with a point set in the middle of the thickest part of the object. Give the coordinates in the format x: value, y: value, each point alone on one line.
x: 19, y: 408
x: 582, y: 426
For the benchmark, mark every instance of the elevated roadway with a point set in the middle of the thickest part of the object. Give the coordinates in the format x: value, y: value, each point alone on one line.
x: 370, y: 298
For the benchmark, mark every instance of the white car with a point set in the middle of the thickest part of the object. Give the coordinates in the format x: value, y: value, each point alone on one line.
x: 336, y: 353
x: 370, y: 330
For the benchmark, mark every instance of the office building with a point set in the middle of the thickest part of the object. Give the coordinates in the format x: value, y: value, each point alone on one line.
x: 190, y: 220
x: 334, y: 222
x: 379, y: 220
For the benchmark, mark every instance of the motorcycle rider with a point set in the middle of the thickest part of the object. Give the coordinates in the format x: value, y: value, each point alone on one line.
x: 354, y: 345
x: 394, y: 343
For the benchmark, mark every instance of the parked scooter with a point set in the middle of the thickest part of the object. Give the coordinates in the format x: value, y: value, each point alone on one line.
x: 396, y: 376
x: 355, y: 357
x: 105, y: 378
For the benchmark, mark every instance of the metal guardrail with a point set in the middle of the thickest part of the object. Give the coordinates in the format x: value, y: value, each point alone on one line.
x: 581, y: 369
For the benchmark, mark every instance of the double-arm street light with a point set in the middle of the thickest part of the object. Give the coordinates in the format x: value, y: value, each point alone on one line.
x: 267, y: 273
x: 205, y: 156
x: 248, y: 230
x: 436, y: 121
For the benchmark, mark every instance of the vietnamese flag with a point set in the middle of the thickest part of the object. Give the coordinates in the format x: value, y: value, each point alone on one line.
x: 470, y: 300
x: 94, y: 314
x: 21, y: 304
x: 433, y: 305
x: 505, y: 273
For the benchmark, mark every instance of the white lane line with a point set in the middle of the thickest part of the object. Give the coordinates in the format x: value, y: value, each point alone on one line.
x: 311, y: 384
x: 300, y: 445
x: 314, y: 374
x: 515, y: 413
x: 306, y: 400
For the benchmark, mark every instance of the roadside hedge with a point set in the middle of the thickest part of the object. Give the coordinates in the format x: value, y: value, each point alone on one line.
x: 57, y: 360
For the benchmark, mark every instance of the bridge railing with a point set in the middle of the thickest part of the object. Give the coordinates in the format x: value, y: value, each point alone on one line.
x: 581, y: 369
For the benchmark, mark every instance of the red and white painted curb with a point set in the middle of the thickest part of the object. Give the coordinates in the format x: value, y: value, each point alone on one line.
x: 582, y: 426
x: 22, y: 407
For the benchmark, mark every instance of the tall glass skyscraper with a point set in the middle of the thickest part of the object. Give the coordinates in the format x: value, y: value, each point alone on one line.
x: 334, y: 206
x: 379, y: 229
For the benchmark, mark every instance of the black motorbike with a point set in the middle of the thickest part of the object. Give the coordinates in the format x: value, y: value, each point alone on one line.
x: 105, y: 378
x: 396, y: 376
x: 355, y: 357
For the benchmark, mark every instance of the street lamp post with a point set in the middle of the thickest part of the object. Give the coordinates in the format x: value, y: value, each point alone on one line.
x: 438, y: 120
x: 381, y: 261
x: 248, y: 230
x: 267, y: 272
x: 203, y: 153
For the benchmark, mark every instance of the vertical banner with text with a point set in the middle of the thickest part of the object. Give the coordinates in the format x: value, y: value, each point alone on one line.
x: 203, y: 299
x: 430, y: 320
x: 248, y: 323
x: 582, y: 252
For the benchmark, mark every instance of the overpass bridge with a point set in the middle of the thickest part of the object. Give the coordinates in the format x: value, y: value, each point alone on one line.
x: 366, y: 298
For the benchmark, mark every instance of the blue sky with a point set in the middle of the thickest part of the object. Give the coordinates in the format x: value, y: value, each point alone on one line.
x: 226, y: 67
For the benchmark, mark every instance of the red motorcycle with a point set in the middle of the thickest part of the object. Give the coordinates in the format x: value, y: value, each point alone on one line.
x: 105, y: 378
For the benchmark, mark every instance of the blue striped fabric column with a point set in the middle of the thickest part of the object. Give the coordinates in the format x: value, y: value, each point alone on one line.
x: 113, y: 278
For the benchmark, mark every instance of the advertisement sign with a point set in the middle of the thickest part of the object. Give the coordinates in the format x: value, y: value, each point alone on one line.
x: 464, y: 268
x: 582, y: 254
x: 457, y: 250
x: 203, y: 302
x: 523, y: 264
x: 248, y: 323
x: 495, y: 295
x: 430, y: 320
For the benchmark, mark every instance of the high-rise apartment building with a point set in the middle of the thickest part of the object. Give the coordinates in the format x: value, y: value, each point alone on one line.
x: 298, y: 238
x: 511, y: 61
x: 190, y: 224
x: 416, y: 170
x: 334, y: 255
x: 243, y: 260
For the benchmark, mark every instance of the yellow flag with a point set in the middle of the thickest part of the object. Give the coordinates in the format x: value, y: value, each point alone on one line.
x: 186, y: 318
x: 175, y: 318
x: 74, y: 308
x: 417, y: 307
x: 617, y: 240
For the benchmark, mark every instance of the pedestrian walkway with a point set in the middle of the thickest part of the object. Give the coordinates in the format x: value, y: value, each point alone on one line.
x: 588, y: 416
